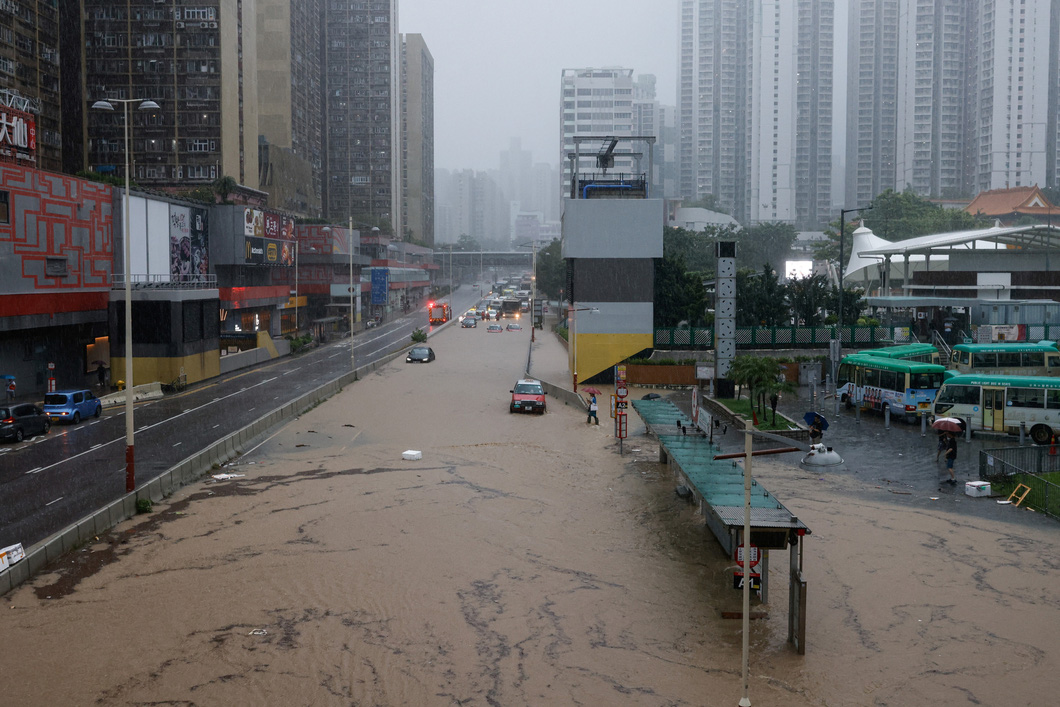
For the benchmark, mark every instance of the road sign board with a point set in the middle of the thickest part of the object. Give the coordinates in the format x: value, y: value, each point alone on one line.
x: 755, y: 555
x: 621, y: 390
x: 622, y: 405
x: 756, y: 581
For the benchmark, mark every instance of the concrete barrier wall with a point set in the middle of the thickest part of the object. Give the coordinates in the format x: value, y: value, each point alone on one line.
x: 182, y: 474
x: 802, y: 433
x: 235, y: 361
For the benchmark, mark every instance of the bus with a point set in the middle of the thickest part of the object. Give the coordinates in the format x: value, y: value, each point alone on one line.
x: 905, y: 387
x: 1024, y: 359
x: 1000, y: 403
x: 925, y: 353
x: 510, y: 308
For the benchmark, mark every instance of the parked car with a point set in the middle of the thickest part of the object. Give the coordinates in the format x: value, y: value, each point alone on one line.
x: 527, y: 396
x: 494, y: 329
x: 72, y: 405
x: 23, y: 420
x: 420, y: 354
x: 469, y: 323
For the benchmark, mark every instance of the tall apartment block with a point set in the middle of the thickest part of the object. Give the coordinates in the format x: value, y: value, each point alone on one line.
x: 755, y: 107
x: 417, y: 139
x: 291, y: 103
x: 362, y: 130
x: 952, y: 97
x: 594, y: 102
x: 652, y: 118
x: 196, y: 59
x: 872, y: 99
x: 29, y: 78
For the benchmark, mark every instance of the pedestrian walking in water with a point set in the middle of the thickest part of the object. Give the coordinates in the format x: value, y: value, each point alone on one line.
x: 592, y: 411
x: 951, y: 456
x: 11, y: 390
x: 816, y: 431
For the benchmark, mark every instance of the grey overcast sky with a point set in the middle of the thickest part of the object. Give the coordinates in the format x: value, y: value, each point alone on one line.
x: 497, y: 65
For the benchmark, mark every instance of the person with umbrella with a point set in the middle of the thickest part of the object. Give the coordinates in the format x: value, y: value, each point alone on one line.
x: 949, y: 426
x: 817, y: 425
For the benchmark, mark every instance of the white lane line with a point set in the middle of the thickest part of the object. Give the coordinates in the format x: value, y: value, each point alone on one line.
x: 178, y: 444
x: 215, y: 426
x: 95, y: 446
x: 55, y: 501
x: 34, y: 471
x: 251, y: 409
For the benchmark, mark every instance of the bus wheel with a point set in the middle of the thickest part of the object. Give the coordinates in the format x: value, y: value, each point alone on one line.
x: 1041, y: 434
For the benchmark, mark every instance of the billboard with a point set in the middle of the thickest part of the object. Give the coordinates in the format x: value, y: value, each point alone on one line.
x: 380, y: 285
x: 269, y: 237
x: 189, y: 254
x: 18, y: 136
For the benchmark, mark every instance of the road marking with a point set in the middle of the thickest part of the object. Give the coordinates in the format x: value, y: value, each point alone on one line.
x: 55, y: 501
x: 215, y: 427
x: 34, y: 471
x: 178, y: 444
x: 251, y: 409
x: 95, y: 446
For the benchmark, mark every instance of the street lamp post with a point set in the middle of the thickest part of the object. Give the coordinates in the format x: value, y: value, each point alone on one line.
x: 573, y: 336
x: 130, y: 450
x: 533, y: 285
x: 296, y: 287
x: 839, y: 323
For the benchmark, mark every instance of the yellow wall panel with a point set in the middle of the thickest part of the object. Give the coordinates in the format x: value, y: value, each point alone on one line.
x: 598, y: 352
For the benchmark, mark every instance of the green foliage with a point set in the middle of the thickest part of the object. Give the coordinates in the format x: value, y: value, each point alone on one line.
x: 765, y: 243
x: 299, y: 342
x: 419, y: 336
x: 744, y: 408
x: 143, y: 505
x: 762, y: 376
x: 679, y: 295
x: 551, y: 270
x: 223, y: 186
x: 807, y: 297
x: 467, y: 243
x: 111, y: 179
x: 761, y: 298
x: 853, y: 304
x: 203, y: 195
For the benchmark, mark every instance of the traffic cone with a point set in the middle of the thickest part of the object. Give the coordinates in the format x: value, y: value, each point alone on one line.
x: 754, y: 416
x: 1052, y: 446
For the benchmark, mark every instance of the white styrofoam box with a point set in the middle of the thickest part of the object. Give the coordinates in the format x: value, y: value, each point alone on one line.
x: 977, y: 488
x: 412, y: 454
x: 11, y: 554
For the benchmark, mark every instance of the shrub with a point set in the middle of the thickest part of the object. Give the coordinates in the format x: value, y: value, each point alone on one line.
x: 143, y: 505
x: 419, y: 336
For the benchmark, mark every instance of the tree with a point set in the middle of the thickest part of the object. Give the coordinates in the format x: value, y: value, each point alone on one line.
x: 761, y: 298
x: 679, y: 294
x: 551, y: 270
x: 759, y: 373
x: 467, y: 243
x: 853, y: 304
x: 807, y: 297
x: 224, y: 186
x: 765, y: 243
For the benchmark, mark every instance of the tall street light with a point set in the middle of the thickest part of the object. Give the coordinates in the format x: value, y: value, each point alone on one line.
x: 839, y: 347
x: 130, y: 454
x: 573, y: 336
x: 533, y: 285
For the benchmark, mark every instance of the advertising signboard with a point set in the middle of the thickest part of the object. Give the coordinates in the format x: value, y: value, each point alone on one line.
x: 18, y: 136
x: 380, y: 285
x: 189, y: 254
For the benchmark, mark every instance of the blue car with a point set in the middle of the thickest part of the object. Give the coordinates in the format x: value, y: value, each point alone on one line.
x: 71, y: 405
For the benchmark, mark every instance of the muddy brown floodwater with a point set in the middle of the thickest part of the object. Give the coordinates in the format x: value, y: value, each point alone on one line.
x: 520, y: 562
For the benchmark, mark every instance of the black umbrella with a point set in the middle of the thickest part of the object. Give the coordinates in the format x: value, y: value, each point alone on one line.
x: 650, y: 396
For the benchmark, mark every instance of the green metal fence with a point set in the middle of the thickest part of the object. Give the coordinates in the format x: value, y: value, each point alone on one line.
x: 791, y: 337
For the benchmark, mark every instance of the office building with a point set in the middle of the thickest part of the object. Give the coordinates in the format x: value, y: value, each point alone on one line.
x: 290, y: 103
x: 595, y: 102
x: 362, y: 62
x: 198, y: 63
x: 417, y: 140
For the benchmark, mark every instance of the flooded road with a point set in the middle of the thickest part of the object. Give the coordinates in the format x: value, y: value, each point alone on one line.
x: 521, y: 561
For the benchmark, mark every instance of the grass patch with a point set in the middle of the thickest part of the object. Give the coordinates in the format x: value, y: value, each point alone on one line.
x: 742, y: 407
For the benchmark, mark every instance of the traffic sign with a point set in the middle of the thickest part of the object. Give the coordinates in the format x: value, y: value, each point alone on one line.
x: 756, y: 581
x: 622, y: 405
x: 755, y: 555
x: 621, y: 390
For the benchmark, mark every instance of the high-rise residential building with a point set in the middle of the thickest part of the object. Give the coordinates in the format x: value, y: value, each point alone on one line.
x: 290, y: 103
x: 29, y: 82
x: 362, y: 129
x: 198, y: 63
x: 872, y: 99
x: 594, y: 102
x: 755, y: 107
x: 471, y: 204
x: 417, y: 139
x: 654, y: 119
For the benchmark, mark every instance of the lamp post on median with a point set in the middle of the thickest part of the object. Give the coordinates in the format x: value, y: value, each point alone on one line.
x: 533, y: 284
x: 130, y: 453
x: 839, y: 323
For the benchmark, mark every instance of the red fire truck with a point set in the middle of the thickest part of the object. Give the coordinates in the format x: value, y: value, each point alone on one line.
x: 439, y: 312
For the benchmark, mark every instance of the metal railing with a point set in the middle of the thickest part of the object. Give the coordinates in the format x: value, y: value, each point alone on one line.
x: 1032, y: 466
x: 939, y: 343
x: 791, y: 337
x: 166, y: 282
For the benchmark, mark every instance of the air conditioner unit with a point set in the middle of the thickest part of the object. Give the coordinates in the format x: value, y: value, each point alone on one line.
x: 180, y: 25
x: 204, y: 25
x: 213, y: 25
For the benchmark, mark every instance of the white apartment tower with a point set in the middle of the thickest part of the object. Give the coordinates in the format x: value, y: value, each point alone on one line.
x: 594, y: 102
x: 755, y: 107
x: 872, y: 99
x: 967, y: 90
